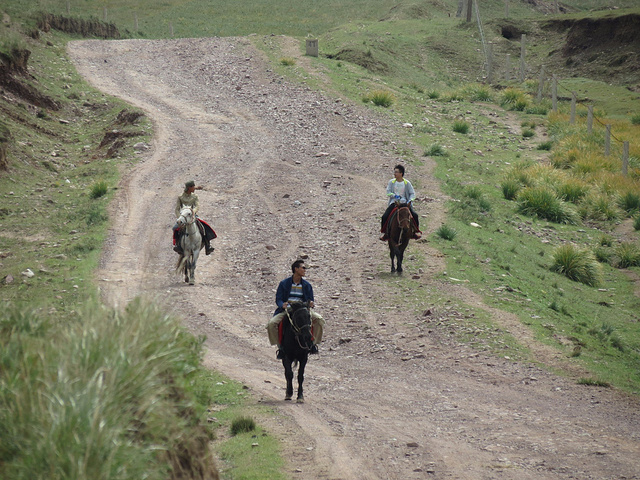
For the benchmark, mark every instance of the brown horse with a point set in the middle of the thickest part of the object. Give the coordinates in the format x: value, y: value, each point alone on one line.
x: 400, y: 229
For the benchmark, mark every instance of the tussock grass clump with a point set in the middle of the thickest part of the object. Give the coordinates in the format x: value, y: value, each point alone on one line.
x: 636, y: 223
x: 510, y: 188
x: 599, y: 206
x: 380, y: 98
x: 515, y: 99
x: 603, y: 254
x: 577, y: 264
x: 545, y: 145
x: 473, y: 204
x: 528, y: 133
x: 461, y: 126
x: 435, y: 150
x: 446, y: 232
x: 538, y: 109
x: 105, y: 397
x: 592, y: 382
x: 479, y: 93
x: 242, y: 425
x: 630, y: 202
x: 98, y: 189
x: 627, y: 255
x: 454, y: 96
x: 433, y: 94
x: 544, y: 203
x: 572, y: 190
x: 635, y: 119
x: 287, y: 61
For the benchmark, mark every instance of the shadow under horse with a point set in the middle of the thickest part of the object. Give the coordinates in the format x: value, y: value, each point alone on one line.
x: 400, y: 229
x: 297, y: 341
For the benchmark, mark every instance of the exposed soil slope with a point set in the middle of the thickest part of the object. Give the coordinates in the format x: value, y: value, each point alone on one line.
x: 287, y: 172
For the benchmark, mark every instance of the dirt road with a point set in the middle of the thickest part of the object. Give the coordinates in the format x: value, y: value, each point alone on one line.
x: 287, y: 172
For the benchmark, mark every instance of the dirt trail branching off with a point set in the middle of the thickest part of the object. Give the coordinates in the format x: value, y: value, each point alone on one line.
x: 287, y: 172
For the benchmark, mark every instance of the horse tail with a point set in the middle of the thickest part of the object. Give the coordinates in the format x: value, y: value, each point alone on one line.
x: 294, y: 364
x: 180, y: 265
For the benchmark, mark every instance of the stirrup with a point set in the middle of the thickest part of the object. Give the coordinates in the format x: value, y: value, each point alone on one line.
x: 177, y: 249
x: 313, y: 349
x: 279, y: 354
x: 209, y: 250
x: 384, y: 237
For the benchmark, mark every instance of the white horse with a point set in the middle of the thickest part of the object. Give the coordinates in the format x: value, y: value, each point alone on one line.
x: 191, y: 243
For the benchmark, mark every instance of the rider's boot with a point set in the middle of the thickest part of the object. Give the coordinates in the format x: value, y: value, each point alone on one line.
x: 314, y: 349
x: 279, y: 354
x: 384, y: 237
x: 208, y: 249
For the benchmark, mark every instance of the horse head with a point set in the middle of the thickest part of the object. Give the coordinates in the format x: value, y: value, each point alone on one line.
x: 404, y: 217
x: 299, y: 318
x: 186, y: 217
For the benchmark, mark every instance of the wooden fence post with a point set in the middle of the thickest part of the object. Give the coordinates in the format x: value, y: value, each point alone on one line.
x: 490, y: 63
x: 506, y: 8
x: 590, y: 119
x: 68, y: 7
x: 507, y: 73
x: 540, y: 84
x: 104, y: 14
x: 607, y: 141
x: 469, y: 10
x: 171, y: 29
x: 554, y: 94
x: 523, y: 41
x: 625, y: 158
x: 572, y: 120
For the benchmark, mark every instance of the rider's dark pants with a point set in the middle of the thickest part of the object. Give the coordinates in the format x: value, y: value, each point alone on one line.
x: 388, y: 211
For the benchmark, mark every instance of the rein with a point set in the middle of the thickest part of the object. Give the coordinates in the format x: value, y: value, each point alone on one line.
x: 297, y: 330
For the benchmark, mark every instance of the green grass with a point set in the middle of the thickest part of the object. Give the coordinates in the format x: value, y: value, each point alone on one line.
x: 117, y: 389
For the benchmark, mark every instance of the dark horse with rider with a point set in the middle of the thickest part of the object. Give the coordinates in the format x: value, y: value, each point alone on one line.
x: 400, y: 222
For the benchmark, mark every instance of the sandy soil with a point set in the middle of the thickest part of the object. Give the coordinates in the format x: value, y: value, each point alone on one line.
x: 287, y: 172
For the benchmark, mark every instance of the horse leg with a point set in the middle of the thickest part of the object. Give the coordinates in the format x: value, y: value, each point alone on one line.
x: 303, y: 364
x: 400, y: 257
x: 288, y: 375
x: 186, y: 271
x: 392, y: 255
x: 194, y: 259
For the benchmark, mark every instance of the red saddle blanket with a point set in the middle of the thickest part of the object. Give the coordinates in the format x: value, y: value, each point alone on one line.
x: 280, y: 330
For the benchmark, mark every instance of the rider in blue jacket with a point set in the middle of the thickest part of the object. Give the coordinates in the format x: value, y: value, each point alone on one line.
x: 295, y: 289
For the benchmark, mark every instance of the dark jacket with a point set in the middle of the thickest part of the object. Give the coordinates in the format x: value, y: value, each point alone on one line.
x: 282, y: 294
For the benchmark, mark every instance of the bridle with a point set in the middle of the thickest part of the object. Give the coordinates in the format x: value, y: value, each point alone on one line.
x: 298, y: 331
x: 187, y: 223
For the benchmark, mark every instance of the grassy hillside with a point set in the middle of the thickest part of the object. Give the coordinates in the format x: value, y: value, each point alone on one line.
x: 497, y: 148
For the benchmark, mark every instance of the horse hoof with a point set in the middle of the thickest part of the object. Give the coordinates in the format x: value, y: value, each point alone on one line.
x: 192, y: 282
x: 300, y: 400
x: 287, y: 398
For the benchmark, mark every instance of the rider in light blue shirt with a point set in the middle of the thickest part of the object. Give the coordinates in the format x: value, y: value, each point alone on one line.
x: 399, y: 189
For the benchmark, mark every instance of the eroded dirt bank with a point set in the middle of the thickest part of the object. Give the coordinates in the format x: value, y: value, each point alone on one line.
x: 287, y: 172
